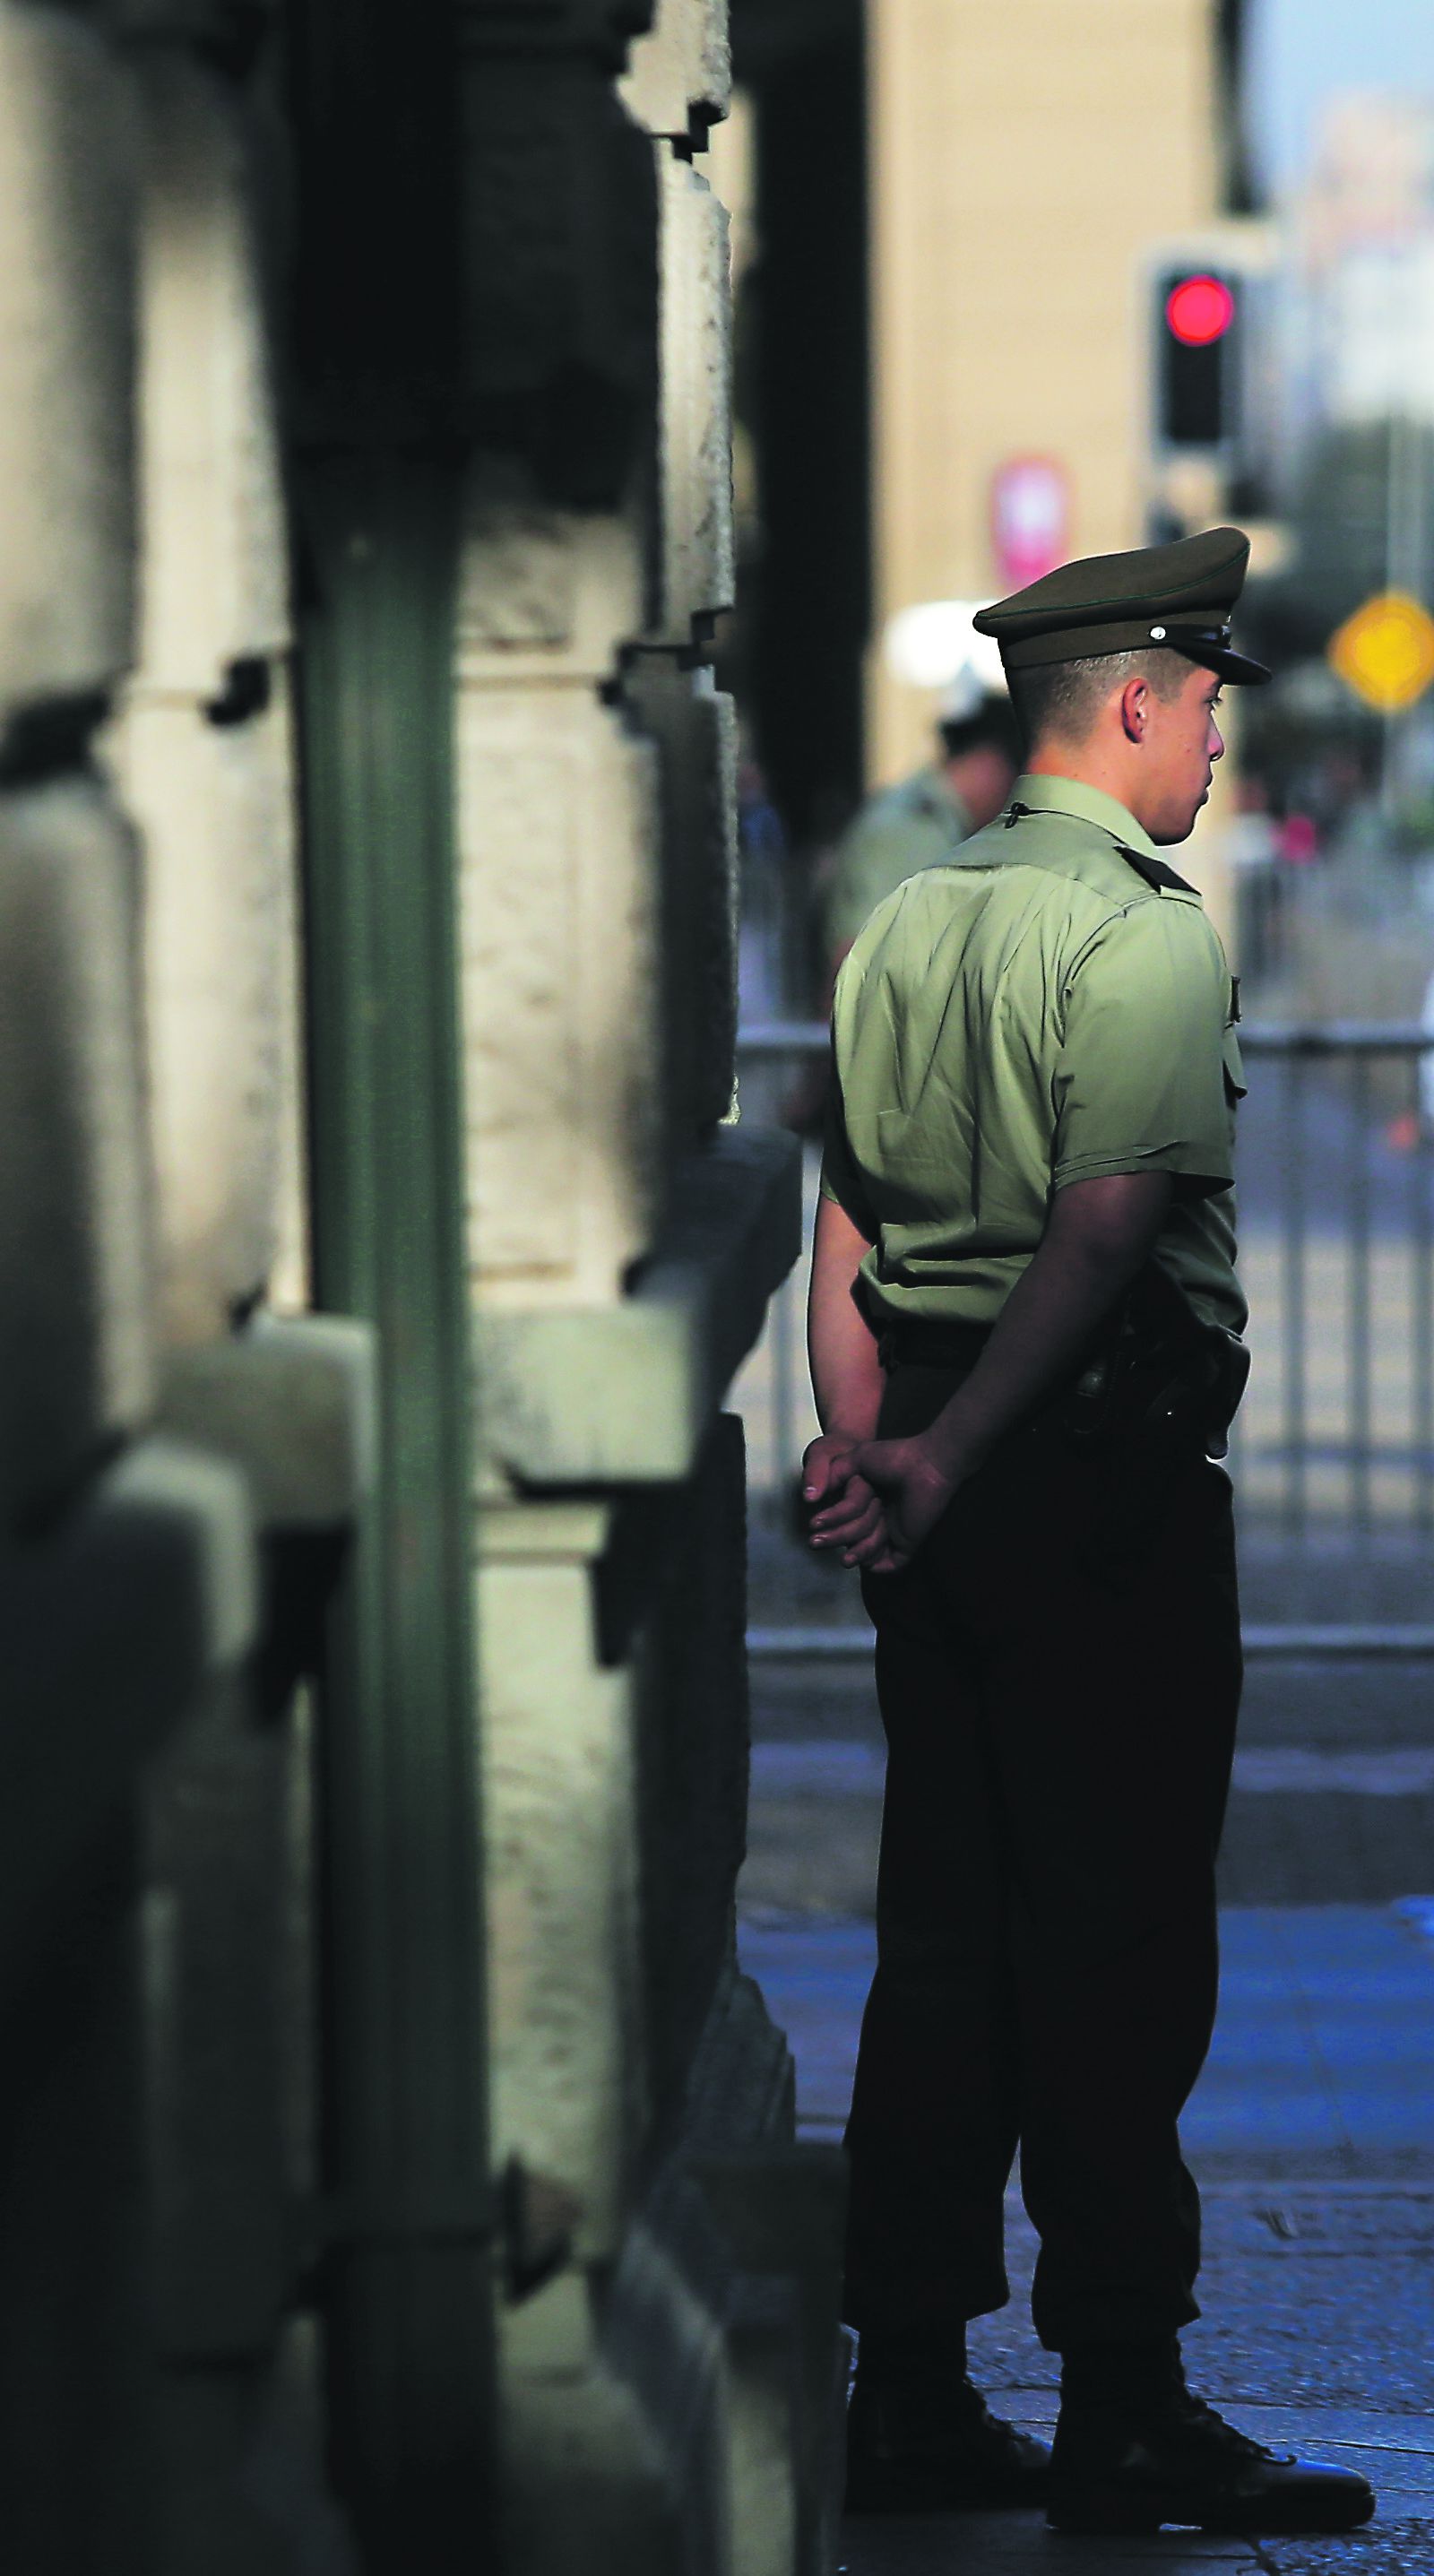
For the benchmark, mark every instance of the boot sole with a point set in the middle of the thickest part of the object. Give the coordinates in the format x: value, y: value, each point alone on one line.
x: 1107, y: 2512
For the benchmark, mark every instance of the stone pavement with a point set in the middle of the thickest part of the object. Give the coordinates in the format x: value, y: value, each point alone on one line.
x: 1312, y: 2130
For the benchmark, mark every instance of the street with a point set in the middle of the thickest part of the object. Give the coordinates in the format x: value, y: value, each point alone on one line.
x: 1312, y: 2130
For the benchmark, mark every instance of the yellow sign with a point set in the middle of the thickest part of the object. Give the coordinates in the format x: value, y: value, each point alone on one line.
x: 1385, y: 651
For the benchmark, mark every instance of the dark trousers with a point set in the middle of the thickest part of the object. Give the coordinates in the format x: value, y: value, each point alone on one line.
x: 1059, y: 1676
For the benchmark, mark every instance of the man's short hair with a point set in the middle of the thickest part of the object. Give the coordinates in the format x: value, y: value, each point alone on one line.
x: 1064, y: 698
x: 994, y: 724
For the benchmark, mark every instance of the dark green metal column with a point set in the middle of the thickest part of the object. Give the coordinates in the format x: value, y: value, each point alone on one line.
x: 408, y: 2273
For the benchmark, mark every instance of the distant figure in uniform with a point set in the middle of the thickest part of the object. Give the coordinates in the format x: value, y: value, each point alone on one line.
x: 918, y: 824
x: 1026, y: 1346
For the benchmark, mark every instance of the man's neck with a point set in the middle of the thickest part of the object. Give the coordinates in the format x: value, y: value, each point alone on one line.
x: 1090, y: 765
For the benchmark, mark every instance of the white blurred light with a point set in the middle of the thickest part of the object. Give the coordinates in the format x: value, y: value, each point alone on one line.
x: 928, y: 645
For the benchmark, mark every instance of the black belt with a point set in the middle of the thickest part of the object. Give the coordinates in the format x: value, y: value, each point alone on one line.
x: 1153, y: 1360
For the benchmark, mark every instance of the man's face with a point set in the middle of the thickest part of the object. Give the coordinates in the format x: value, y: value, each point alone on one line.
x: 1182, y: 744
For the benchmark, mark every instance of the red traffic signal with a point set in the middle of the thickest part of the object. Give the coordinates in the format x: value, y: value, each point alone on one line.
x: 1199, y: 310
x: 1198, y: 317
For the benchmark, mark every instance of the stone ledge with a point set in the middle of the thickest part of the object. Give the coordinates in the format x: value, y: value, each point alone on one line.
x: 623, y: 1394
x: 291, y: 1400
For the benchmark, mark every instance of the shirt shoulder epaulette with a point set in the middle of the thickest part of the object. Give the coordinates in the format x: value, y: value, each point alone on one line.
x: 1081, y: 851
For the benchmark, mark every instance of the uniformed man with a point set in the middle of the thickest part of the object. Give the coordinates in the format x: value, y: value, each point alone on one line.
x: 1025, y: 1337
x: 918, y: 824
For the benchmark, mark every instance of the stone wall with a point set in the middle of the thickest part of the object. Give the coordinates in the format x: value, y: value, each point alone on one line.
x: 175, y: 1433
x: 293, y: 2100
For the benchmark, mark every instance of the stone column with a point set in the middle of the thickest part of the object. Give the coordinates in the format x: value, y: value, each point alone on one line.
x: 201, y: 748
x: 77, y: 1317
x: 657, y: 2374
x: 127, y: 1562
x: 204, y: 734
x: 75, y: 1248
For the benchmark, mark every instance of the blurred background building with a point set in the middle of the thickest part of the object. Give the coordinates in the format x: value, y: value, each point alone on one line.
x: 963, y: 370
x: 951, y: 379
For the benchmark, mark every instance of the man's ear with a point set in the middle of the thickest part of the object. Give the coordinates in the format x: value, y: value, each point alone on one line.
x: 1134, y: 709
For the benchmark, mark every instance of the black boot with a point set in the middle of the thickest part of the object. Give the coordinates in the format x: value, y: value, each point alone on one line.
x: 1134, y: 2449
x: 921, y: 2439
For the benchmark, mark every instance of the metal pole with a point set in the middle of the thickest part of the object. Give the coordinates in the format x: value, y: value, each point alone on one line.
x: 406, y: 2134
x: 1359, y: 1302
x: 1421, y: 1291
x: 407, y: 2221
x: 1293, y: 1300
x: 1394, y: 518
x: 784, y: 1388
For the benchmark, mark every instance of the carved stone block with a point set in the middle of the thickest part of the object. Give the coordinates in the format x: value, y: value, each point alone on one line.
x: 215, y: 806
x: 698, y: 562
x: 558, y: 828
x: 695, y: 728
x: 623, y: 1394
x: 76, y: 1302
x: 564, y: 1995
x: 66, y: 328
x: 544, y: 594
x: 215, y: 590
x: 679, y: 81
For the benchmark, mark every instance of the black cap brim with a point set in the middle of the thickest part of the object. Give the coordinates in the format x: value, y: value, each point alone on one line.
x: 1237, y: 668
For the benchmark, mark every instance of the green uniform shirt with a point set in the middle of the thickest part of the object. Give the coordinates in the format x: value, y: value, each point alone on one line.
x: 896, y: 834
x: 1029, y: 1014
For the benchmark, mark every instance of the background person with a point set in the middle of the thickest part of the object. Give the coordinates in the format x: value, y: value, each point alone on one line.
x: 919, y: 823
x: 900, y: 831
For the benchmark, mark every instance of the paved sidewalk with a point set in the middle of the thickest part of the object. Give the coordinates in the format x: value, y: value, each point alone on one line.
x: 1313, y: 2134
x: 1312, y: 2129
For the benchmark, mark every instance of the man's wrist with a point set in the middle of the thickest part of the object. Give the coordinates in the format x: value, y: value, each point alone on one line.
x: 850, y: 1429
x: 955, y: 1445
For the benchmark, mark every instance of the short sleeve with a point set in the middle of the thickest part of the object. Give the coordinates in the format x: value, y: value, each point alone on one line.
x: 840, y: 1179
x: 1140, y: 1081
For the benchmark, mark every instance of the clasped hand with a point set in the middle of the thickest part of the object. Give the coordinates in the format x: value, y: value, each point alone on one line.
x: 873, y: 1499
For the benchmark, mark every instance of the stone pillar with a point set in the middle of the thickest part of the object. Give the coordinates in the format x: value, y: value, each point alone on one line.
x: 657, y: 2380
x: 561, y: 906
x: 75, y: 1248
x: 204, y: 734
x: 128, y: 1577
x: 200, y: 747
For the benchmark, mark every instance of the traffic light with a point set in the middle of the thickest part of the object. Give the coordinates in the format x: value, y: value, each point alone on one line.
x: 1198, y: 314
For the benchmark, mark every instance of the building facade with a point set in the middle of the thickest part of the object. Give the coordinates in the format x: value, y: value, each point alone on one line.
x: 1021, y: 161
x: 398, y: 2171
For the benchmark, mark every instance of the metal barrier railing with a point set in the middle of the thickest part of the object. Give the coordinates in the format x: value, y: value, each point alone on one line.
x: 1336, y: 1192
